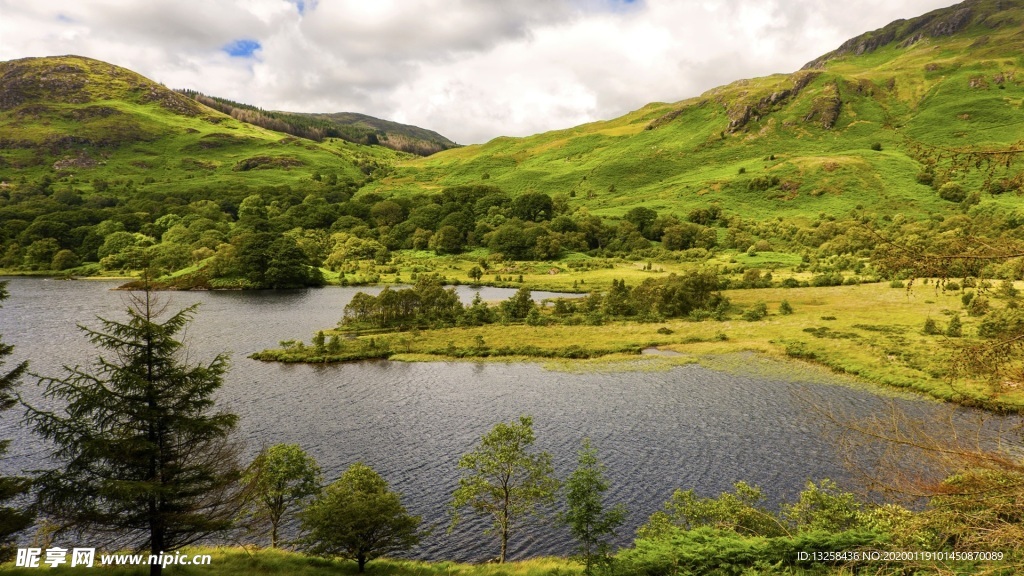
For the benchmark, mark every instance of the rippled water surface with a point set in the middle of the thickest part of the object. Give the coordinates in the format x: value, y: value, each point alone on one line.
x: 656, y: 431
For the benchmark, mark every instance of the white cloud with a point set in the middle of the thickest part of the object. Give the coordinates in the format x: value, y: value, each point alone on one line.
x: 470, y: 69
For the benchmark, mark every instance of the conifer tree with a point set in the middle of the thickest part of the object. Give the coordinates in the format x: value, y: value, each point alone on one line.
x: 145, y: 459
x: 12, y: 519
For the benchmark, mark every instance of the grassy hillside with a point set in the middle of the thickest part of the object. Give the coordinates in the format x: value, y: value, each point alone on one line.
x: 852, y: 129
x: 90, y: 124
x: 349, y: 126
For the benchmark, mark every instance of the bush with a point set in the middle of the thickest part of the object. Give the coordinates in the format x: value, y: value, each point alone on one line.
x: 955, y: 329
x: 978, y: 307
x: 966, y: 298
x: 876, y: 146
x: 896, y: 283
x: 757, y: 312
x: 952, y: 192
x: 785, y: 308
x: 931, y: 327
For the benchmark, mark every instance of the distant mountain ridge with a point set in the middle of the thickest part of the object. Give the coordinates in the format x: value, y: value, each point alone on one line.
x: 350, y: 126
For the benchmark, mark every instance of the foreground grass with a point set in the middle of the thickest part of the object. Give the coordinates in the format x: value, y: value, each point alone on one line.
x: 869, y: 331
x: 238, y: 561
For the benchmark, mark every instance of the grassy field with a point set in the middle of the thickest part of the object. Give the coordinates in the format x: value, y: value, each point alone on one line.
x: 869, y: 331
x: 237, y: 561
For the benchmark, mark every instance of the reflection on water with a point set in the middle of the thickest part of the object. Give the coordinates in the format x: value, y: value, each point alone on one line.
x: 656, y: 431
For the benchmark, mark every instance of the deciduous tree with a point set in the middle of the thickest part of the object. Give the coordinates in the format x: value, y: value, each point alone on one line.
x: 504, y: 479
x: 359, y: 518
x: 282, y: 477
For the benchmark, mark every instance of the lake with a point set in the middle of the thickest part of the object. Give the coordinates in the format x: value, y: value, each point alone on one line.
x: 688, y: 427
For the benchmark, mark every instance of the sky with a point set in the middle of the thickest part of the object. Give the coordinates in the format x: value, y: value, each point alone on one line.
x: 471, y: 70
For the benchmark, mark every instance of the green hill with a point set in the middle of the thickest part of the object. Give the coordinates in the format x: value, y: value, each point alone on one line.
x: 857, y: 127
x: 94, y: 126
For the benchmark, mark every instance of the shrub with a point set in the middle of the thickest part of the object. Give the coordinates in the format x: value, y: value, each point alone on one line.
x: 966, y: 298
x: 978, y: 307
x: 757, y: 312
x: 876, y: 146
x: 931, y: 327
x: 955, y: 329
x: 952, y: 192
x: 785, y: 308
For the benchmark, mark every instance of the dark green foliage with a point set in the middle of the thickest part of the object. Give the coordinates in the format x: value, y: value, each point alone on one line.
x: 676, y: 296
x: 785, y: 308
x: 270, y: 261
x: 532, y: 207
x: 143, y: 455
x: 510, y: 240
x: 589, y: 521
x: 931, y: 327
x: 12, y: 519
x: 360, y: 518
x: 643, y: 218
x: 519, y: 305
x: 427, y: 304
x: 617, y: 301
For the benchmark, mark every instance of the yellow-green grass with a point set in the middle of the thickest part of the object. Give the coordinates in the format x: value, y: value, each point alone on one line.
x: 869, y: 331
x: 238, y: 561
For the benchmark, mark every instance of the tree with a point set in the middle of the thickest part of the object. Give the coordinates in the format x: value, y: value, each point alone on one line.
x: 12, y: 520
x: 144, y: 457
x: 359, y: 518
x: 503, y: 479
x: 475, y: 273
x: 588, y: 520
x: 282, y: 477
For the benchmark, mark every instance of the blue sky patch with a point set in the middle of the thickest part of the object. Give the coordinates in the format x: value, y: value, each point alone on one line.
x: 301, y: 5
x: 242, y: 48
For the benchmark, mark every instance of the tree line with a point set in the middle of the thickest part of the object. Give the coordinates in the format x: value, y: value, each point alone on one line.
x: 222, y: 232
x: 429, y: 304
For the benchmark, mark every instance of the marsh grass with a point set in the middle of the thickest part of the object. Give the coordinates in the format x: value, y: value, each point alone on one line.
x: 869, y: 332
